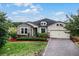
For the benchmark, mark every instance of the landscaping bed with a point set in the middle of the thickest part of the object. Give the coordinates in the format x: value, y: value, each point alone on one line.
x: 23, y: 48
x: 28, y: 39
x: 40, y: 37
x: 75, y: 39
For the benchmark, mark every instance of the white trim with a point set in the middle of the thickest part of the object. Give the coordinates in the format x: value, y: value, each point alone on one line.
x: 24, y: 31
x: 44, y: 28
x: 32, y: 24
x: 32, y: 31
x: 43, y: 23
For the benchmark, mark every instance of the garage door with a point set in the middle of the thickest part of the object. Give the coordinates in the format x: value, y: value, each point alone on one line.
x: 59, y: 34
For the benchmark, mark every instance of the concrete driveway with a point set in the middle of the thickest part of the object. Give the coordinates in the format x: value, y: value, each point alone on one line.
x: 61, y: 47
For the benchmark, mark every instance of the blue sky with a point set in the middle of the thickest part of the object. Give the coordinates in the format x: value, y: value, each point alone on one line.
x: 23, y: 12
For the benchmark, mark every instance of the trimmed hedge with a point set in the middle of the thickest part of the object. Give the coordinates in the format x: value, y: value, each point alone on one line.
x: 42, y: 35
x: 31, y: 39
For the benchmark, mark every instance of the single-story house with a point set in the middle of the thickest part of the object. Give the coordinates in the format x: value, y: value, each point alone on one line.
x: 55, y: 29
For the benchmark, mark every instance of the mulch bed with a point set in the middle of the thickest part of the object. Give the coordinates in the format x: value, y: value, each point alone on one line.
x: 75, y: 39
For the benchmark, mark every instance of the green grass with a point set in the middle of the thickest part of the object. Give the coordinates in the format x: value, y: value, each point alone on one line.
x: 22, y: 48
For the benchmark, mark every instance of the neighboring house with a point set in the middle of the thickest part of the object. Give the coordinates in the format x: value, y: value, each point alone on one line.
x: 55, y: 29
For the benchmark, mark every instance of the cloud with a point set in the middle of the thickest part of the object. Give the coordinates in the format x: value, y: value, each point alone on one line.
x: 25, y: 11
x: 21, y: 11
x: 19, y: 19
x: 60, y: 13
x: 22, y: 4
x: 14, y: 13
x: 59, y: 16
x: 33, y: 9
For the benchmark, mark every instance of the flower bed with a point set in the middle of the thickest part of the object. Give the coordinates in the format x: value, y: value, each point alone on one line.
x: 13, y: 39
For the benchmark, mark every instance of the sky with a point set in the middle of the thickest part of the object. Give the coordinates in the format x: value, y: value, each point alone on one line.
x: 23, y: 12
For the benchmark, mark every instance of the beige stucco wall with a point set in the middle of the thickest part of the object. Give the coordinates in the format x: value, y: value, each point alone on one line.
x: 55, y: 27
x: 29, y: 29
x: 58, y: 31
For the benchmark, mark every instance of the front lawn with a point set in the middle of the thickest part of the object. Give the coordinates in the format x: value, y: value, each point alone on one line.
x: 22, y: 48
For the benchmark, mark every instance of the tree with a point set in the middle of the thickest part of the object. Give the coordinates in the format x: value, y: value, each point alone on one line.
x: 72, y: 24
x: 4, y: 26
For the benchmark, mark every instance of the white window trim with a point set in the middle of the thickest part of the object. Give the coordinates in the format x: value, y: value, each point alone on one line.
x: 44, y: 28
x: 43, y: 23
x: 24, y: 31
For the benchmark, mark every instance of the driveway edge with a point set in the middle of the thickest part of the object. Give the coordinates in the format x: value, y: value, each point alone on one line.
x: 46, y: 48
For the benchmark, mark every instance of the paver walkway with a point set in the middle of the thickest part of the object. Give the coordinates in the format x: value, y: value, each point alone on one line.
x: 61, y: 47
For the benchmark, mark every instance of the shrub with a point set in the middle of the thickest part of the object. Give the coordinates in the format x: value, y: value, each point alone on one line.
x: 43, y: 35
x: 3, y: 37
x: 31, y: 39
x: 13, y: 35
x: 3, y: 40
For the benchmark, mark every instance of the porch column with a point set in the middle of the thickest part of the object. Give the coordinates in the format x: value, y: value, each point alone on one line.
x: 32, y: 31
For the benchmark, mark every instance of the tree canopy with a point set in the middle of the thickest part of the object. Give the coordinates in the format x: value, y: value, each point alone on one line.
x: 72, y: 24
x: 4, y: 26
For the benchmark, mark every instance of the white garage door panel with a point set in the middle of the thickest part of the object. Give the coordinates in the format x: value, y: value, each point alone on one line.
x: 59, y: 34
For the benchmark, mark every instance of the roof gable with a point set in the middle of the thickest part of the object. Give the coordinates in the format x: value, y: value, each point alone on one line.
x: 49, y: 21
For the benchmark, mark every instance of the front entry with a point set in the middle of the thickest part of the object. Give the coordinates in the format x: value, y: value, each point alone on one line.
x: 35, y: 31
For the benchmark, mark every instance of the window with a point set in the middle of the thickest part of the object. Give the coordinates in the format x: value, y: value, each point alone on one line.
x: 57, y: 24
x: 43, y: 23
x: 23, y: 30
x: 42, y: 30
x: 61, y: 25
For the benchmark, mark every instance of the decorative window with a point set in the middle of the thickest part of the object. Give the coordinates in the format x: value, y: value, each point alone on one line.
x: 61, y: 25
x: 42, y: 30
x: 57, y: 24
x: 23, y: 30
x: 43, y: 23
